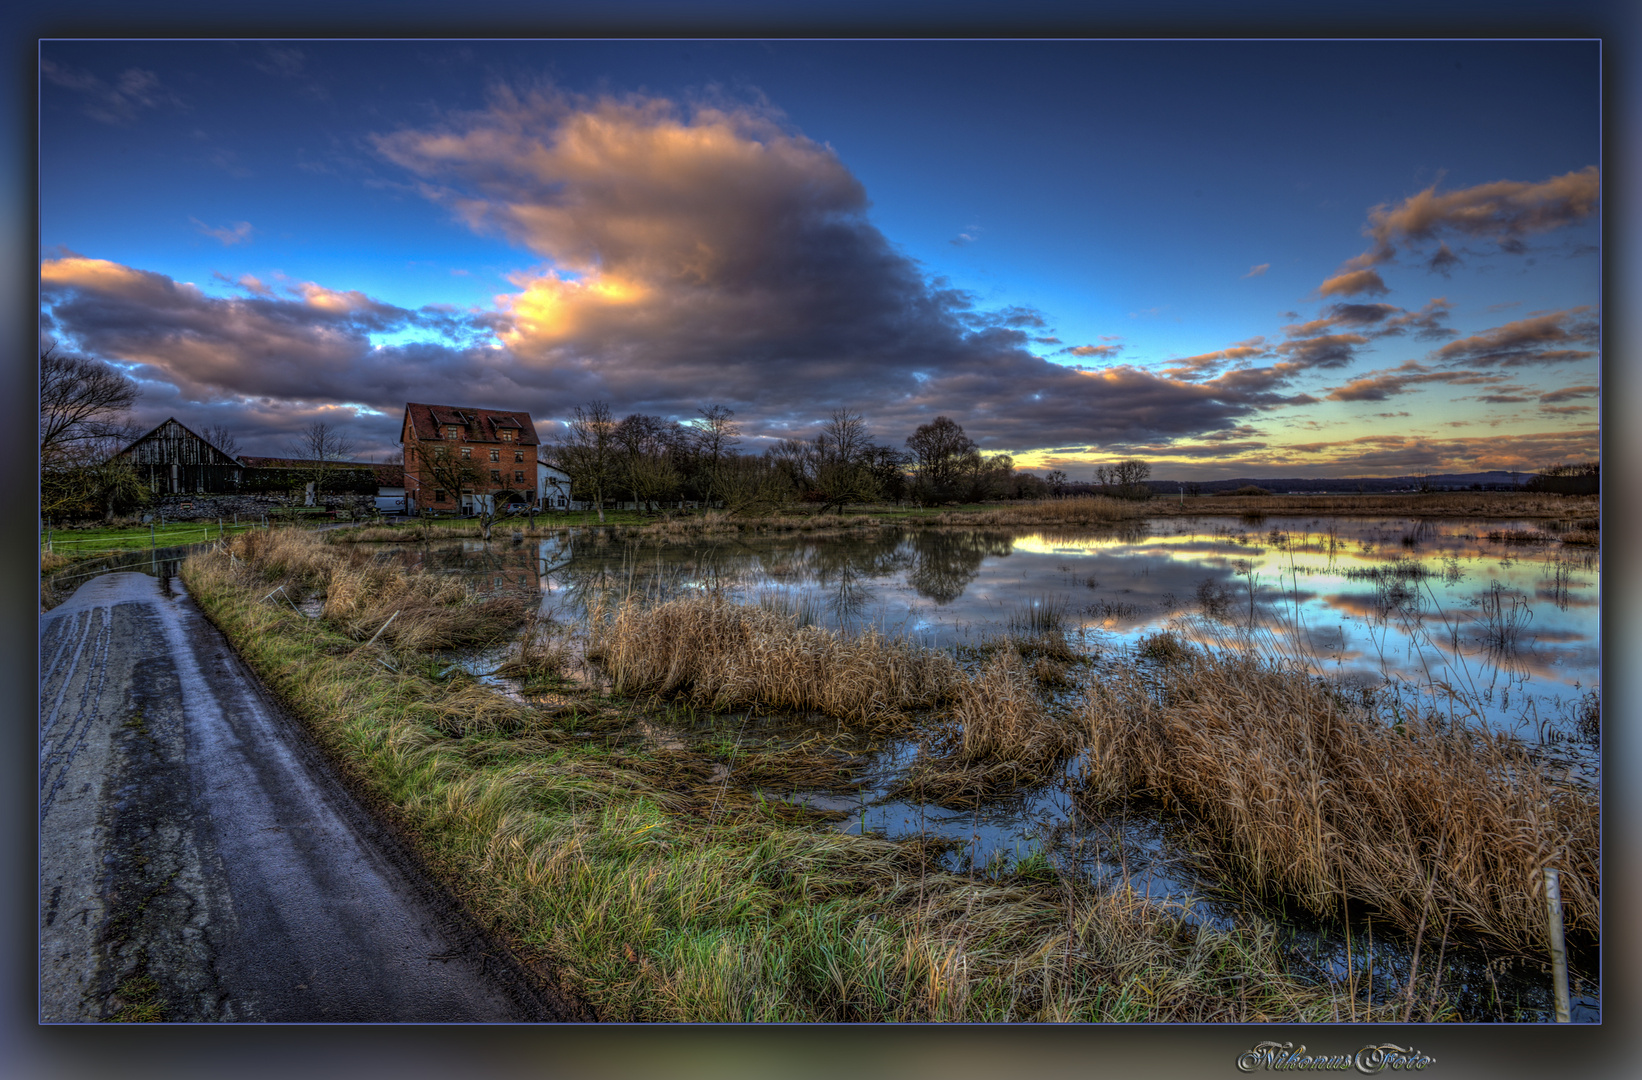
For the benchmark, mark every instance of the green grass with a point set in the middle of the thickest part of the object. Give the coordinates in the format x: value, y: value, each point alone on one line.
x: 78, y: 544
x: 655, y: 893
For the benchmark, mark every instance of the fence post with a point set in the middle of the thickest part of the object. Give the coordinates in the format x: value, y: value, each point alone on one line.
x: 1559, y: 953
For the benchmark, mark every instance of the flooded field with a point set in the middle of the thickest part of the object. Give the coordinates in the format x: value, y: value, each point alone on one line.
x: 1485, y: 623
x: 1511, y: 622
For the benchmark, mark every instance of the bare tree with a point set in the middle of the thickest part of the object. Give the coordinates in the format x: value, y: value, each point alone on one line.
x: 89, y: 477
x: 1124, y: 479
x: 454, y: 471
x: 1056, y: 479
x: 586, y: 449
x: 644, y: 464
x: 321, y: 452
x: 842, y: 456
x: 81, y: 402
x: 939, y: 449
x: 716, y: 433
x: 223, y: 439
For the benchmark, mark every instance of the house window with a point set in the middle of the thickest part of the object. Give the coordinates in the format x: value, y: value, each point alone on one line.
x: 438, y: 494
x: 518, y: 476
x: 507, y: 436
x: 496, y: 475
x: 495, y: 455
x: 518, y: 455
x: 450, y: 432
x: 467, y: 451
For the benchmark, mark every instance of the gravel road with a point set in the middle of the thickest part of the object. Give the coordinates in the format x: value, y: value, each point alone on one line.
x: 199, y: 861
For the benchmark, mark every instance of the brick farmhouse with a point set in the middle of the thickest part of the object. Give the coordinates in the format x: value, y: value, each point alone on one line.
x: 501, y: 443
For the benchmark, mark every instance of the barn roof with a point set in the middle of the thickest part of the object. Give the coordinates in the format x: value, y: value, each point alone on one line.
x: 173, y: 420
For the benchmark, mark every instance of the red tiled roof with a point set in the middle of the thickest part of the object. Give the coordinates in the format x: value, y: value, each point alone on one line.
x: 479, y: 425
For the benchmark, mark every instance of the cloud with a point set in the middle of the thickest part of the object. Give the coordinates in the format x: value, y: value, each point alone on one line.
x: 1504, y: 212
x: 1378, y: 320
x: 1324, y: 351
x: 283, y: 61
x: 1354, y: 283
x: 116, y: 103
x: 1443, y: 260
x: 1541, y: 339
x: 968, y: 236
x: 711, y: 253
x: 1378, y: 386
x: 1390, y: 455
x: 1104, y: 352
x: 1256, y: 271
x: 1569, y: 393
x: 307, y: 344
x: 237, y: 233
x: 1194, y: 367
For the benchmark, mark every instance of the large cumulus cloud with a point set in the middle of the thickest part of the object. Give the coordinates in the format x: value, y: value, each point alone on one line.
x: 713, y: 254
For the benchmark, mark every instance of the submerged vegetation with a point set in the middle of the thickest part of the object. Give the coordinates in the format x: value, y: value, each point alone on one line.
x: 622, y: 823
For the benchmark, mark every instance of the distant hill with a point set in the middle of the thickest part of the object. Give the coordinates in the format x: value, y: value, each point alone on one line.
x: 1496, y: 480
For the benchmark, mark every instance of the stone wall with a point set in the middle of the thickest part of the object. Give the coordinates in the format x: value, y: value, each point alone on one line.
x: 249, y: 507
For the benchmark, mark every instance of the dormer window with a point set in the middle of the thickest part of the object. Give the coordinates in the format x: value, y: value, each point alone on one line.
x: 507, y: 435
x: 452, y: 431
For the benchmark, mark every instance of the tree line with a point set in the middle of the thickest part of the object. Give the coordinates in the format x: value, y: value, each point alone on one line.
x: 651, y: 461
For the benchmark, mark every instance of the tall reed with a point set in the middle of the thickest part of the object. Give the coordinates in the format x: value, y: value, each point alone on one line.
x: 1305, y: 792
x: 726, y: 655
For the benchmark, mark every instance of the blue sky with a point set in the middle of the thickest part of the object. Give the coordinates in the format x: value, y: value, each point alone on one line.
x: 908, y: 229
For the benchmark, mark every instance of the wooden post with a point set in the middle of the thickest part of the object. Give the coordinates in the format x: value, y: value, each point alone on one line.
x: 1559, y: 954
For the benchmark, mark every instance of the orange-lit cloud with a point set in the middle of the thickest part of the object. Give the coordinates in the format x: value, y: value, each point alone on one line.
x: 1551, y: 338
x: 1504, y: 212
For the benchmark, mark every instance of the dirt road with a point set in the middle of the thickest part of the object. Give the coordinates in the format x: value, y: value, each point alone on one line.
x: 199, y: 862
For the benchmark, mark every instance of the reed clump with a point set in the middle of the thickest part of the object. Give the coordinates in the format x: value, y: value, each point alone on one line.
x: 726, y: 656
x: 1004, y: 719
x: 1304, y: 791
x: 539, y: 655
x: 409, y: 610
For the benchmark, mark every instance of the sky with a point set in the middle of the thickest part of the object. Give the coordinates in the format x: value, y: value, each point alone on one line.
x: 1227, y: 258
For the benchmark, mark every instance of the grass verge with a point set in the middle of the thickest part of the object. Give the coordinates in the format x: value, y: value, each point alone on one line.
x: 600, y: 861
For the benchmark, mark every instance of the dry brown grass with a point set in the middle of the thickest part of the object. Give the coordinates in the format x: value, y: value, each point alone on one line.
x: 1478, y: 504
x: 1085, y: 510
x: 427, y: 611
x: 1003, y: 719
x: 50, y: 561
x: 1307, y: 794
x: 725, y: 656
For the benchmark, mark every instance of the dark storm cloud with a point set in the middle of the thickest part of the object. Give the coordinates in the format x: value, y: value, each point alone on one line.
x: 1551, y: 338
